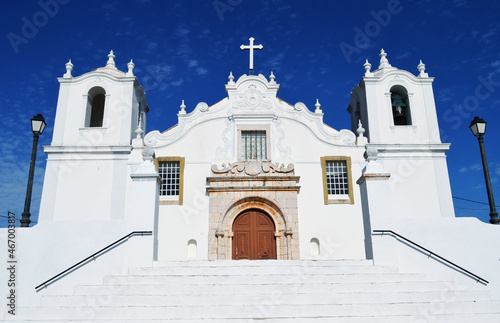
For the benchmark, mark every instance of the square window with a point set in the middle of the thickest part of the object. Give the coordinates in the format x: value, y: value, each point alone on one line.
x: 253, y: 145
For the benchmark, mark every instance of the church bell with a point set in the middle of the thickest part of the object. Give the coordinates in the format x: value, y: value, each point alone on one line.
x: 397, y: 106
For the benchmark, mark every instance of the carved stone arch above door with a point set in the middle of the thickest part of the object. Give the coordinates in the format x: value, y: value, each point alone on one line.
x: 286, y: 235
x: 284, y: 219
x: 273, y: 191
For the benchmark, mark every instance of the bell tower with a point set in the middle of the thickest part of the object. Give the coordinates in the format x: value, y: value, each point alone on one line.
x: 96, y: 118
x: 395, y: 106
x: 99, y: 108
x: 398, y: 111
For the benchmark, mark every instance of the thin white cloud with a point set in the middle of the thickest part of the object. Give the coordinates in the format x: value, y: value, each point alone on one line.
x: 152, y: 45
x: 182, y: 31
x: 404, y: 55
x: 201, y: 71
x: 489, y: 36
x: 476, y: 167
x: 177, y: 83
x: 447, y: 94
x: 275, y: 62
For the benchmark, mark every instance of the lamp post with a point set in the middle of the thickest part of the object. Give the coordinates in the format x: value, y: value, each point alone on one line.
x: 37, y: 126
x: 478, y: 127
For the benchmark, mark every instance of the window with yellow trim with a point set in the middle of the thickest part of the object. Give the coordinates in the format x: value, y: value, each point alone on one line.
x: 171, y: 171
x: 337, y: 180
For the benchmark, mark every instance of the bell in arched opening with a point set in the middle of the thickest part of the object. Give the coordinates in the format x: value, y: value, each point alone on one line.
x: 399, y: 110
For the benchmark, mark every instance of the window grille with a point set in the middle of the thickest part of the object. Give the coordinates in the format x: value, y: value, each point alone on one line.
x: 170, y: 176
x: 337, y: 181
x: 253, y: 145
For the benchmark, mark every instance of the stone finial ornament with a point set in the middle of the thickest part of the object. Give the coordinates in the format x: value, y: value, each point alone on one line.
x: 130, y: 66
x: 318, y: 107
x: 360, y: 129
x: 421, y: 69
x: 367, y: 66
x: 183, y: 108
x: 69, y: 68
x: 271, y: 78
x: 230, y: 78
x: 361, y: 140
x: 111, y: 60
x: 137, y: 142
x: 384, y: 62
x: 139, y: 131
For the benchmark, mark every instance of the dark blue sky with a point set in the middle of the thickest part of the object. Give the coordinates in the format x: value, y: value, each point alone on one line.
x: 184, y: 50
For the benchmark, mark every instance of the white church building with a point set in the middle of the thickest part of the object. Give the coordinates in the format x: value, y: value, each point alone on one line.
x: 252, y: 196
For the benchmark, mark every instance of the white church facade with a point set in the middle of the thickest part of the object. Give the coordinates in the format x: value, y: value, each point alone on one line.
x: 250, y: 178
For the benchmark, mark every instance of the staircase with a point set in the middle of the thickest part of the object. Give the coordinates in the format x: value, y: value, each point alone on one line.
x: 267, y: 291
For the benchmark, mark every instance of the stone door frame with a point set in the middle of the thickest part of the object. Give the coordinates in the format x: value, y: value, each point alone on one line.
x: 220, y: 246
x: 245, y: 185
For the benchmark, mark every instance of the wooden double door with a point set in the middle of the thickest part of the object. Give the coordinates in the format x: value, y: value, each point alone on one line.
x: 254, y: 236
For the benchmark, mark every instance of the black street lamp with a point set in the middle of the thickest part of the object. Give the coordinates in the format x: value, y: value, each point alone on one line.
x: 37, y: 126
x: 478, y: 127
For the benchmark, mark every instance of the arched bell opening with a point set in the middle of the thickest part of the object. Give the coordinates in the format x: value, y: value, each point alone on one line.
x: 95, y: 107
x: 400, y: 106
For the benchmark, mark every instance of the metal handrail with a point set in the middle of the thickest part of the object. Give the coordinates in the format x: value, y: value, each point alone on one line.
x: 142, y: 233
x: 433, y: 254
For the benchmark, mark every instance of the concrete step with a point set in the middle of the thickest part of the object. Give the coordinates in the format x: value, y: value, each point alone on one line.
x: 265, y: 288
x: 269, y: 291
x: 264, y: 263
x: 277, y: 298
x: 313, y: 268
x: 174, y: 280
x: 439, y: 318
x: 259, y: 312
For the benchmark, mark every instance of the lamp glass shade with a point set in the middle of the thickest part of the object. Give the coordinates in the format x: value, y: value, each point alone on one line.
x: 38, y: 124
x: 478, y: 126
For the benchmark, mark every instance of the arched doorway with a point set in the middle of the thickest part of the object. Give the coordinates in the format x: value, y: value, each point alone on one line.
x: 254, y: 236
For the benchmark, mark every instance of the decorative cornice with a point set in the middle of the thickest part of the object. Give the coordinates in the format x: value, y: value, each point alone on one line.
x: 87, y: 149
x: 253, y: 168
x: 146, y: 177
x: 246, y: 179
x: 372, y: 176
x: 253, y: 188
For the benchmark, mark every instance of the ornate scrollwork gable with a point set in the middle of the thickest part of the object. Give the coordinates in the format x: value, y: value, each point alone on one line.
x: 253, y: 168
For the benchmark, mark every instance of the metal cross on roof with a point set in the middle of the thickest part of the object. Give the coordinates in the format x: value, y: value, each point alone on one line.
x: 251, y: 47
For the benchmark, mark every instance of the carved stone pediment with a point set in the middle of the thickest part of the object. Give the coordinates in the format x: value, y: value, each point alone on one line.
x: 252, y: 98
x: 253, y: 168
